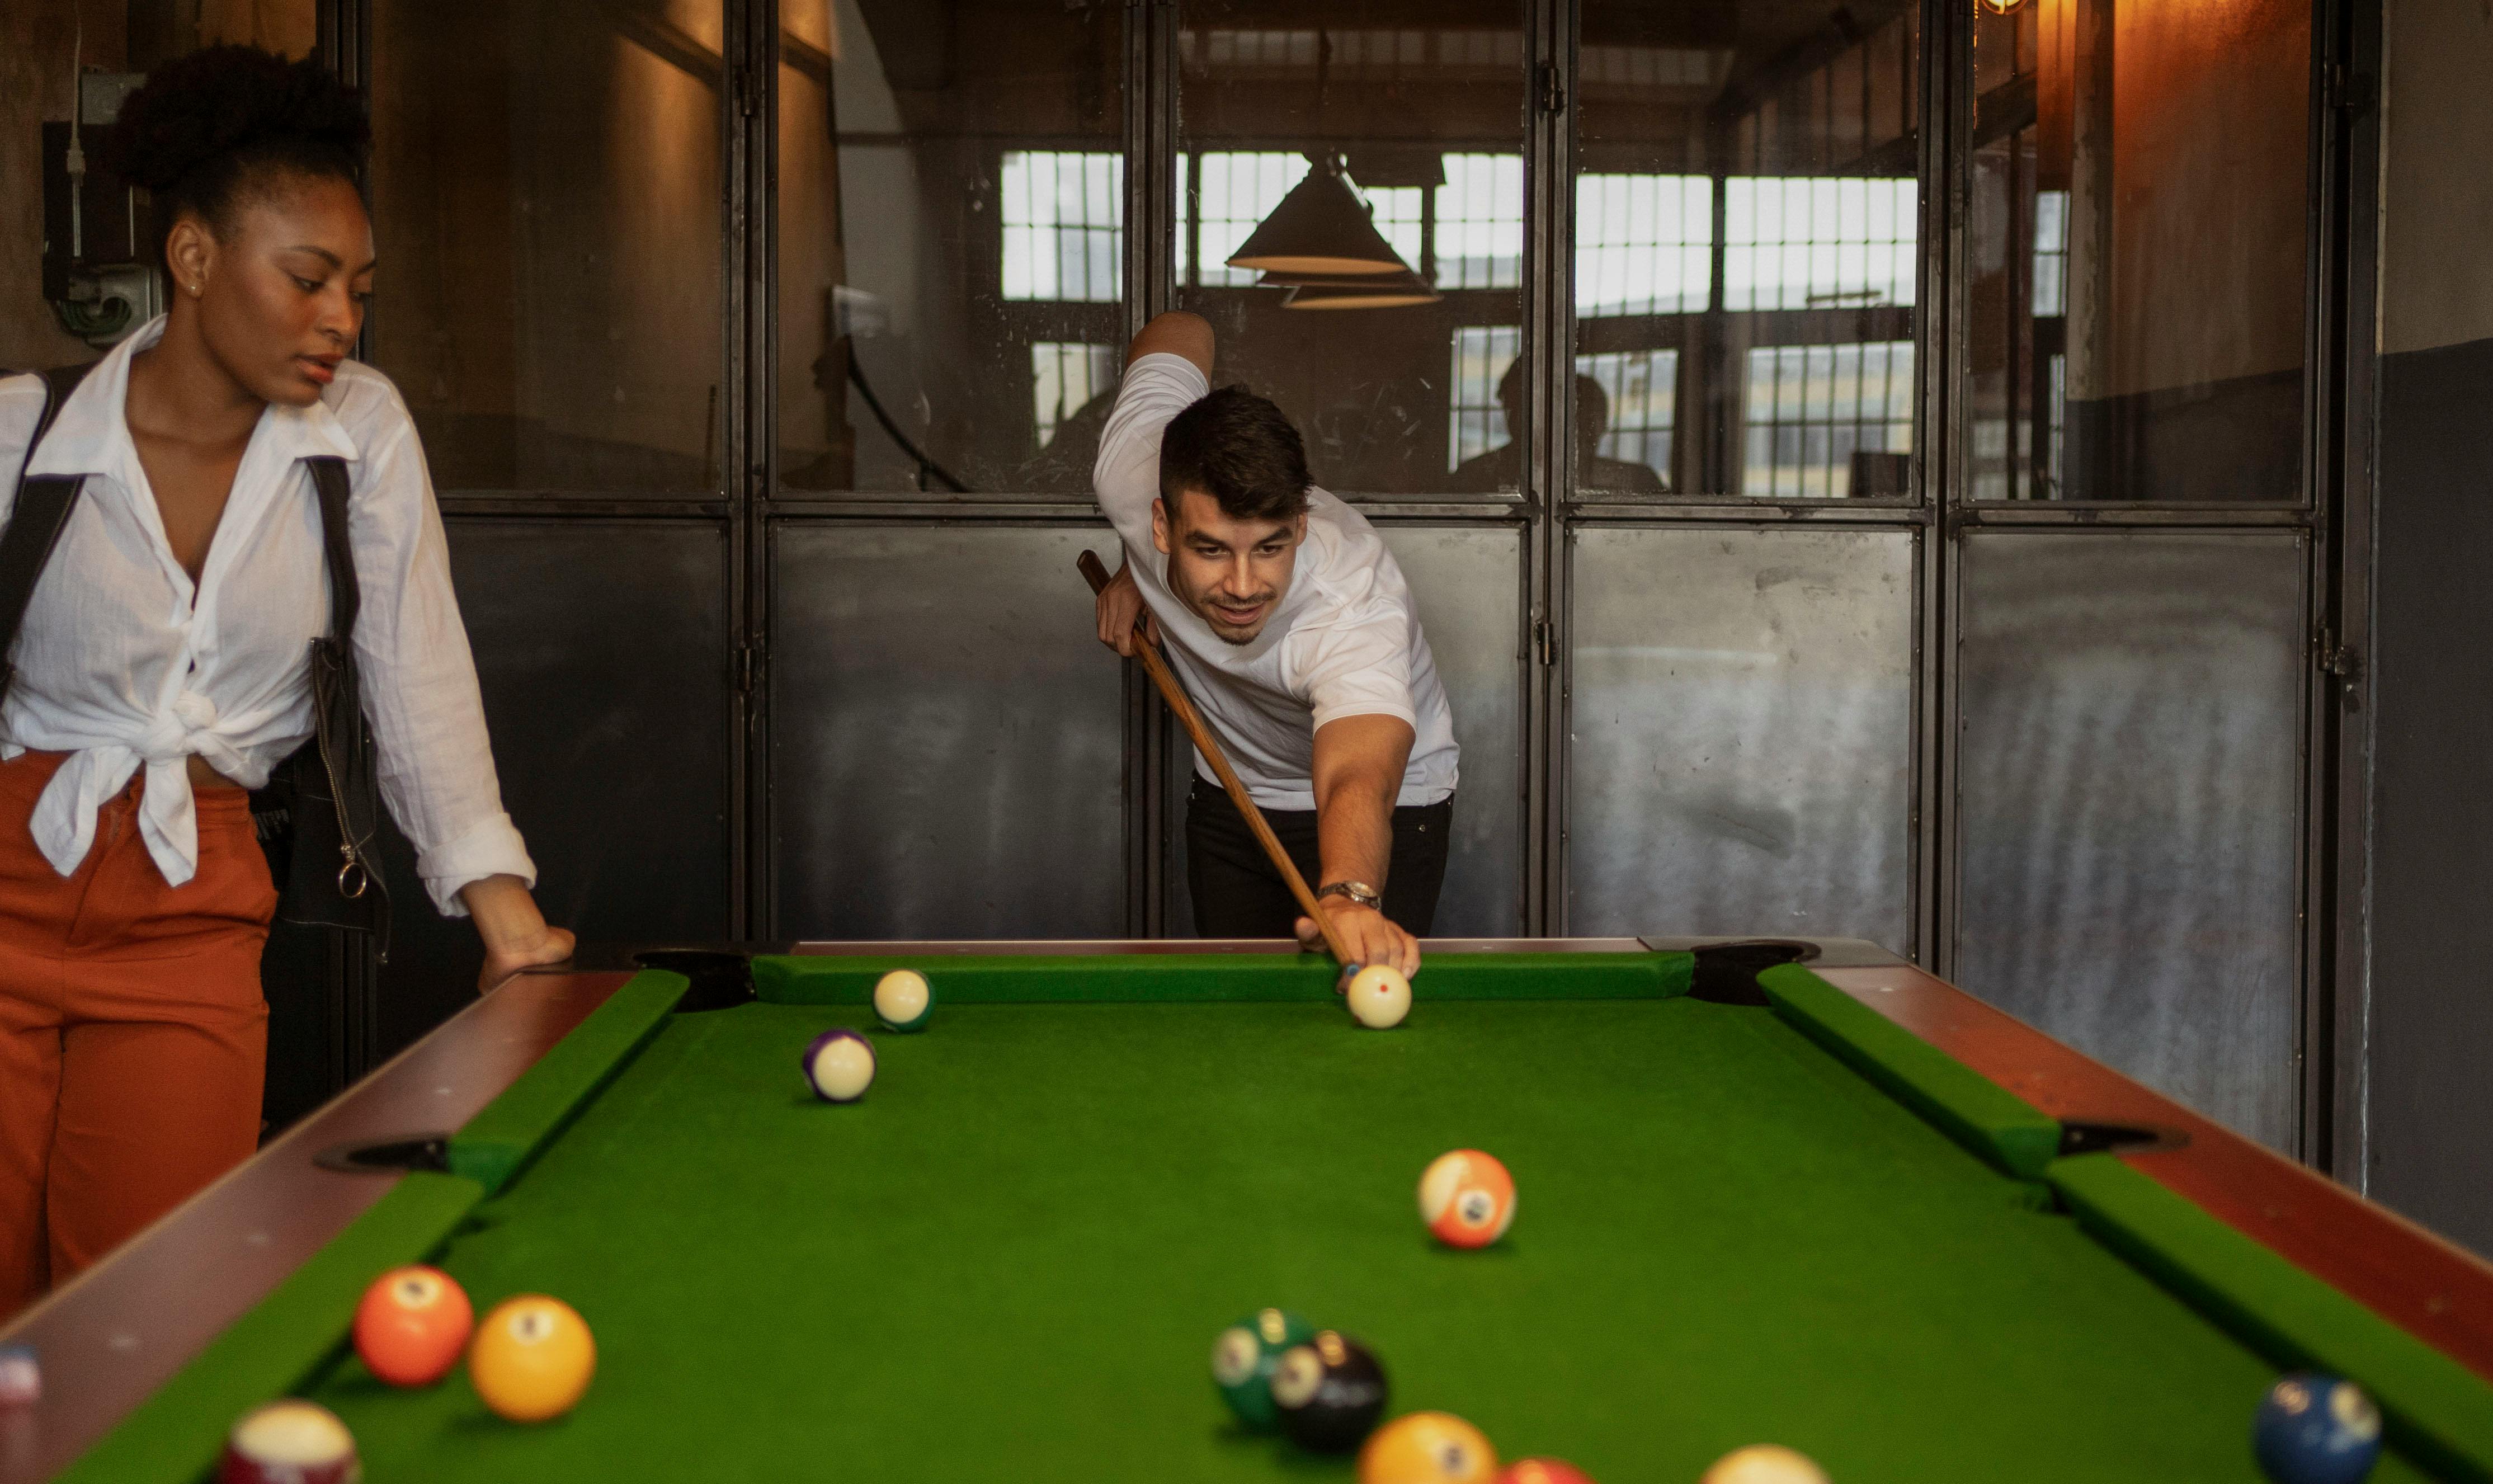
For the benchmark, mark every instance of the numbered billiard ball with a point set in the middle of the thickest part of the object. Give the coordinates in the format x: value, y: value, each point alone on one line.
x: 2314, y: 1429
x: 903, y: 1000
x: 289, y: 1442
x: 1428, y: 1448
x: 1467, y: 1198
x: 1379, y: 997
x: 411, y: 1326
x: 1542, y: 1470
x: 1329, y: 1392
x: 1765, y: 1463
x: 532, y: 1358
x: 1244, y: 1357
x: 839, y: 1066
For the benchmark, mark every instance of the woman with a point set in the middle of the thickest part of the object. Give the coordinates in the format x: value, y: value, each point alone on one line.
x: 161, y: 670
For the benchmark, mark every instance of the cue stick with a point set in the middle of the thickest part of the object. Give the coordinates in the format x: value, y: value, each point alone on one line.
x: 1097, y: 573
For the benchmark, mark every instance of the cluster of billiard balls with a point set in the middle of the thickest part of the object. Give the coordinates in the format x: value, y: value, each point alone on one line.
x: 529, y: 1361
x: 839, y: 1064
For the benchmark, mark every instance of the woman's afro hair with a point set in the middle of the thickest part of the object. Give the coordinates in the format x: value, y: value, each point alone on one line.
x: 211, y: 126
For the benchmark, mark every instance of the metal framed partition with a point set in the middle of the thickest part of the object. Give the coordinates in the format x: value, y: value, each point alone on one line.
x: 824, y: 669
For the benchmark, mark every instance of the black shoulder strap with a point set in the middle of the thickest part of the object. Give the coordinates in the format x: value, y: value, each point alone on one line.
x: 35, y: 522
x: 345, y: 594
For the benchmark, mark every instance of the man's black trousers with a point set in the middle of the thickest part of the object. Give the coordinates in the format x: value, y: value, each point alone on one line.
x: 1238, y: 894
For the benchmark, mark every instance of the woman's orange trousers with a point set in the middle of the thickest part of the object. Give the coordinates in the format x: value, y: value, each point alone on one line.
x: 131, y: 1029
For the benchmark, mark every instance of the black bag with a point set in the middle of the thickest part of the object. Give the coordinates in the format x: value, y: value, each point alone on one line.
x: 317, y: 815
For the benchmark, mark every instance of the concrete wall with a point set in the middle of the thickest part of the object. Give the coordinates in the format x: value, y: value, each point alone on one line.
x: 2431, y: 1054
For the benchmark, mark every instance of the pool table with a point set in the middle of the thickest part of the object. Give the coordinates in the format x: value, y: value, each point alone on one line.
x: 1788, y: 1191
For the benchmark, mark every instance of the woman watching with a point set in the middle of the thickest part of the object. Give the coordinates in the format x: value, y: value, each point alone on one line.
x: 161, y: 668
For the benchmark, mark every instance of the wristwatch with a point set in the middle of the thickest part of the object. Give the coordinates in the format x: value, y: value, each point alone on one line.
x: 1358, y: 892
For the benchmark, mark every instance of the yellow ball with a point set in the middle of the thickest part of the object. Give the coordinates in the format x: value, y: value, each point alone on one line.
x: 532, y: 1358
x: 1379, y: 997
x: 1428, y: 1448
x: 1763, y: 1462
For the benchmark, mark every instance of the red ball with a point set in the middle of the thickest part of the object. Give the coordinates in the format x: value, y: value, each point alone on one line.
x: 413, y: 1324
x: 289, y: 1442
x: 1542, y: 1470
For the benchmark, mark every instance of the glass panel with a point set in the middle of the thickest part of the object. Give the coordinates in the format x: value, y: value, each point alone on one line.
x: 1746, y: 250
x: 1423, y: 120
x: 2129, y: 827
x: 2136, y: 253
x: 952, y: 245
x: 1740, y: 733
x: 546, y: 188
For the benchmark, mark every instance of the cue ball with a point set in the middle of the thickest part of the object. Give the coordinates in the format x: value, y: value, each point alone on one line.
x: 21, y: 1376
x: 1542, y: 1470
x: 1428, y: 1448
x: 903, y: 1000
x: 411, y: 1326
x: 1467, y: 1198
x: 289, y: 1442
x: 532, y: 1358
x: 1244, y: 1357
x: 1329, y: 1392
x: 1379, y: 997
x: 1765, y: 1463
x: 2314, y: 1429
x: 839, y: 1066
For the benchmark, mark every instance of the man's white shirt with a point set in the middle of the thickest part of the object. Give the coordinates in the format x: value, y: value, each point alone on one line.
x: 1344, y: 641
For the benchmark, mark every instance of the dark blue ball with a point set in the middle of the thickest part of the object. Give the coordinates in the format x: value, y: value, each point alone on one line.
x: 2314, y: 1429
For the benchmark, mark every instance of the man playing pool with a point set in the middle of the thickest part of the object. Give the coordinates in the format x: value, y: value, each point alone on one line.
x: 1298, y: 641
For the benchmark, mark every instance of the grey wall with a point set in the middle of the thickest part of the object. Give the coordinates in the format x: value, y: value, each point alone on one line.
x: 2430, y: 1103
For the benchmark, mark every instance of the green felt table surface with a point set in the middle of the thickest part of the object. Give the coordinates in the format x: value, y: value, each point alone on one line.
x: 1011, y: 1260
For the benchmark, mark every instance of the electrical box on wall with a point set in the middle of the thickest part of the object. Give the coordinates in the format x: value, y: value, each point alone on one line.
x: 96, y: 271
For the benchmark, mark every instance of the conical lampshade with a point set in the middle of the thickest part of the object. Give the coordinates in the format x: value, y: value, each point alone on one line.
x: 1351, y: 290
x: 1319, y: 228
x: 1386, y: 295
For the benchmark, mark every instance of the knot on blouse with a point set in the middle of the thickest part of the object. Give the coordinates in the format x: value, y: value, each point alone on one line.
x: 64, y: 822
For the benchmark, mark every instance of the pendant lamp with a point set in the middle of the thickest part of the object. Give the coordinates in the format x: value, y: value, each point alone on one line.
x: 1319, y: 228
x: 1349, y: 290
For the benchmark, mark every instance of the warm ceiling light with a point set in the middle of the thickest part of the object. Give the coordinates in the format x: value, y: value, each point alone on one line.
x: 1374, y: 290
x: 2003, y: 6
x: 1319, y: 228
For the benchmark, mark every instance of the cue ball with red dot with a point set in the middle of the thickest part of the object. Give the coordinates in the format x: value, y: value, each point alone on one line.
x: 1765, y: 1463
x: 1467, y: 1198
x: 413, y: 1324
x: 1379, y: 997
x: 839, y: 1066
x: 289, y: 1442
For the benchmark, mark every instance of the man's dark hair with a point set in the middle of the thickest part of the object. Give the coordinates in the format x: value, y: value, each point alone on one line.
x: 209, y: 129
x: 1238, y: 448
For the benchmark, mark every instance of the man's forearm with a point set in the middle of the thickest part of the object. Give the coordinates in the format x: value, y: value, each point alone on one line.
x: 1355, y: 834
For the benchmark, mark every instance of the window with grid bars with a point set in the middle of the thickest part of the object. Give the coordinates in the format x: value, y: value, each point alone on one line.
x: 1064, y: 376
x: 1645, y: 244
x: 1802, y: 242
x: 1063, y: 229
x: 1644, y: 391
x: 1479, y: 222
x: 1821, y: 418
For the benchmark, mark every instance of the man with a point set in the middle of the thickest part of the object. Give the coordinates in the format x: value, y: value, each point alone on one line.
x: 1295, y: 636
x: 1502, y: 466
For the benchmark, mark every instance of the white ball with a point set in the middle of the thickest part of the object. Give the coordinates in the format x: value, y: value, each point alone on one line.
x: 1379, y: 997
x: 1763, y: 1462
x: 901, y: 999
x: 841, y: 1067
